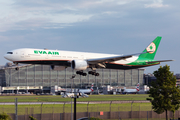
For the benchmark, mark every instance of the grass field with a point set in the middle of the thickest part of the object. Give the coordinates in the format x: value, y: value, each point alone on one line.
x: 60, y: 108
x: 37, y: 109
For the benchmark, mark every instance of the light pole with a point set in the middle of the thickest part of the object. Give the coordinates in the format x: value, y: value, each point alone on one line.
x: 73, y: 76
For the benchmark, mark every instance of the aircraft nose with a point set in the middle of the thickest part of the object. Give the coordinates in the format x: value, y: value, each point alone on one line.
x: 7, y: 56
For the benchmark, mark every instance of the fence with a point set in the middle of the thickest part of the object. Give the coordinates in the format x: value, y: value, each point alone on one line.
x: 104, y: 110
x: 105, y: 116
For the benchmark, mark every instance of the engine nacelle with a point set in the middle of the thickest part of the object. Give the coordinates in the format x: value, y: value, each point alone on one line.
x: 79, y: 64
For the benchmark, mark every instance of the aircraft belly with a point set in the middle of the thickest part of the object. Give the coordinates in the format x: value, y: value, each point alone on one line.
x: 121, y: 66
x: 46, y: 62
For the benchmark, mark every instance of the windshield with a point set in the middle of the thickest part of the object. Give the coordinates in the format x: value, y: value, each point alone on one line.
x: 9, y: 52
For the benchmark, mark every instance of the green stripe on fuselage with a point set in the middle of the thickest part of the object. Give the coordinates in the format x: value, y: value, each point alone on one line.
x: 128, y: 66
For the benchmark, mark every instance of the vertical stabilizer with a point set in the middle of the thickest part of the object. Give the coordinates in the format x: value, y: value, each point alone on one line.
x: 137, y: 88
x: 151, y: 49
x: 92, y: 87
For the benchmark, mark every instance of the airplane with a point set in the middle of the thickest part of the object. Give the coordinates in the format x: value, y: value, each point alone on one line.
x: 70, y: 95
x: 78, y: 94
x: 80, y: 61
x: 87, y: 91
x: 81, y: 92
x: 131, y: 91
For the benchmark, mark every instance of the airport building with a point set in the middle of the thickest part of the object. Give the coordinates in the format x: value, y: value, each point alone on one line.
x: 148, y: 78
x: 43, y: 75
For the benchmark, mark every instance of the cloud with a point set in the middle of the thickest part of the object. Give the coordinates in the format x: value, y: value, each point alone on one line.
x: 21, y: 15
x: 30, y: 15
x: 123, y: 2
x: 3, y: 38
x: 156, y: 4
x: 109, y: 12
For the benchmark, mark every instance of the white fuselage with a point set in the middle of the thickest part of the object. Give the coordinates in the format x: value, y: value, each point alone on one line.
x: 23, y: 55
x: 80, y: 94
x: 87, y: 91
x: 130, y: 91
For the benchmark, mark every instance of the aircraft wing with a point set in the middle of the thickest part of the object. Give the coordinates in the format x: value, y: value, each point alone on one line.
x: 159, y: 61
x: 111, y: 59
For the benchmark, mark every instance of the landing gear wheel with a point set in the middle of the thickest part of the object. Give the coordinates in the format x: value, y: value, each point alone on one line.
x: 93, y: 73
x: 84, y: 74
x: 81, y: 73
x: 16, y: 68
x: 77, y: 72
x: 90, y: 72
x: 96, y: 74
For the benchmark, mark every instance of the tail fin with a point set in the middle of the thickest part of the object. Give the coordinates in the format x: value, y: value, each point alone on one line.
x: 92, y: 87
x: 137, y: 88
x: 151, y: 49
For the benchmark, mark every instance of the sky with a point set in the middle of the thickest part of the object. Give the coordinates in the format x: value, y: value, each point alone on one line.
x: 100, y: 26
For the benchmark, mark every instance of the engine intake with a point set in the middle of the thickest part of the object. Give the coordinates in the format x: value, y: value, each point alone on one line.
x: 79, y: 64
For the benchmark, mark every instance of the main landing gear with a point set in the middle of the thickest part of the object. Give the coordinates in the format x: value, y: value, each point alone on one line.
x: 90, y: 72
x: 81, y: 73
x: 93, y: 73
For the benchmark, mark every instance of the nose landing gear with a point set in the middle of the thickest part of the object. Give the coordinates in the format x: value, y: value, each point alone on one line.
x: 17, y: 68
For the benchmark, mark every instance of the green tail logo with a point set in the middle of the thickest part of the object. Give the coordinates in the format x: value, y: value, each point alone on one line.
x: 151, y: 49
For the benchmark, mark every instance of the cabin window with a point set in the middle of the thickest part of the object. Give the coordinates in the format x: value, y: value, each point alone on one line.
x: 9, y: 52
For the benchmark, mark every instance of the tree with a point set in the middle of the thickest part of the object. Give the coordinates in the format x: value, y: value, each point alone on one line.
x: 4, y: 116
x: 32, y: 118
x: 92, y: 118
x: 164, y: 94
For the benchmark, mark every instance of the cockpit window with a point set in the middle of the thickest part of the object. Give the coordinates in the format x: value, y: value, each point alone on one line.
x: 9, y: 52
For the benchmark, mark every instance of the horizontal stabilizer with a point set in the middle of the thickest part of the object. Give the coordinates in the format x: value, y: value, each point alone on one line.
x: 159, y: 61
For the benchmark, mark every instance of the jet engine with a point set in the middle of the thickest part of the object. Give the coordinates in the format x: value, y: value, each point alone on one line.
x: 79, y: 64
